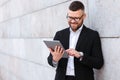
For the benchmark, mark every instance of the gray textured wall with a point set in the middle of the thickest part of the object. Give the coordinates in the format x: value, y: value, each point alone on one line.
x: 24, y: 24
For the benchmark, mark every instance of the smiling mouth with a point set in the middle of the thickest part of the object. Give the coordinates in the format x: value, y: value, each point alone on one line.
x: 73, y: 23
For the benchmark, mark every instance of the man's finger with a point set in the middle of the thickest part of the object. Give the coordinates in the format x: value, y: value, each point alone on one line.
x: 56, y: 48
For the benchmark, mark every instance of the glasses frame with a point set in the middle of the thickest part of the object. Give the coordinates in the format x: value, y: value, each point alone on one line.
x: 76, y: 19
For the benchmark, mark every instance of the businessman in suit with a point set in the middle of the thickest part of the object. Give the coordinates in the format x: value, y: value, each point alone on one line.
x: 82, y: 44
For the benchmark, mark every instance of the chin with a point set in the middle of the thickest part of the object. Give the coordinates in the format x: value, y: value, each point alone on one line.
x: 74, y: 27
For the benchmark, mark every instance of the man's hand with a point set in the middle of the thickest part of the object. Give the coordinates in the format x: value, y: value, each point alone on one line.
x: 73, y: 52
x: 57, y: 53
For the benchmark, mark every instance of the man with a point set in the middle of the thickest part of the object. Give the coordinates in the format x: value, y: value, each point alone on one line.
x: 82, y: 44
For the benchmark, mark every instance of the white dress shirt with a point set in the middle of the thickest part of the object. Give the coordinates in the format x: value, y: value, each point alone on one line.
x: 72, y: 44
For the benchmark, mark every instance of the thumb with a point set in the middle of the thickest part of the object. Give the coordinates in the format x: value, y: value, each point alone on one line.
x: 51, y: 50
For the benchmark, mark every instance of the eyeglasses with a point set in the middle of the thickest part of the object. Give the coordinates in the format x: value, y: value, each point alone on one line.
x: 76, y: 19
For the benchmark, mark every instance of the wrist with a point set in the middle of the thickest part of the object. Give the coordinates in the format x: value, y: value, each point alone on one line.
x: 55, y: 59
x: 79, y: 55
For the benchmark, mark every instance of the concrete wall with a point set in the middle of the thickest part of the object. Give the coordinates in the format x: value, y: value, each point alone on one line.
x: 24, y: 24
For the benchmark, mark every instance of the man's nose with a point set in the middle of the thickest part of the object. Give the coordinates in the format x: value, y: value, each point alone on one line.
x: 72, y: 20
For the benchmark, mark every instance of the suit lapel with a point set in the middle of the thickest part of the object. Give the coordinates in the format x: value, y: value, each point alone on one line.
x: 66, y: 38
x: 81, y: 37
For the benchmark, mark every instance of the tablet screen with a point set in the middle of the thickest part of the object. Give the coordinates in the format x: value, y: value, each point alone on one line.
x: 52, y: 44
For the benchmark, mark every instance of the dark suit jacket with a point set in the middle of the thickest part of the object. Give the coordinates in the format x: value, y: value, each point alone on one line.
x: 89, y: 43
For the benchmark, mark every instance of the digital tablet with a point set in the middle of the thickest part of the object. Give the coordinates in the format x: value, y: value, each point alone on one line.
x: 52, y: 44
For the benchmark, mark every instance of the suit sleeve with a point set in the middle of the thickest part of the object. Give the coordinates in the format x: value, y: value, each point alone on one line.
x: 95, y: 60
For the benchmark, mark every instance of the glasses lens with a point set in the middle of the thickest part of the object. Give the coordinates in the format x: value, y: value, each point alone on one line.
x: 74, y: 18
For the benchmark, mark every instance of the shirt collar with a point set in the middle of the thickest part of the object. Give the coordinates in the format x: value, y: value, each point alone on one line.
x: 77, y: 30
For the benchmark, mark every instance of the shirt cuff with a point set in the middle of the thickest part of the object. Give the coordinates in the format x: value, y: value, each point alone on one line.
x: 54, y: 63
x: 81, y: 55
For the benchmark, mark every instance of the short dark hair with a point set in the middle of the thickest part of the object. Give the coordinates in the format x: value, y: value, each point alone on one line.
x: 76, y: 5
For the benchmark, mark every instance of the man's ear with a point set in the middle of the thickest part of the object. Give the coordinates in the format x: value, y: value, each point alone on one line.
x: 84, y: 16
